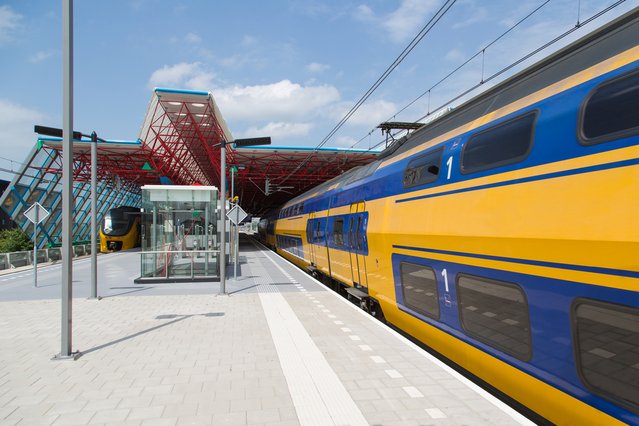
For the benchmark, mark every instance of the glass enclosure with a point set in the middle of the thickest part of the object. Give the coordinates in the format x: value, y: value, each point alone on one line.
x: 179, y: 232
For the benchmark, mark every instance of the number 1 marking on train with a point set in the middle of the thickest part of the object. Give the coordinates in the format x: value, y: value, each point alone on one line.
x: 445, y: 275
x: 449, y: 163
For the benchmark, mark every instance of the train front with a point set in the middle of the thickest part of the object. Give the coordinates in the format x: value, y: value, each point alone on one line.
x: 120, y: 229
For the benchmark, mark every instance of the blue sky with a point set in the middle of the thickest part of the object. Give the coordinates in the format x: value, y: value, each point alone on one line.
x: 285, y: 69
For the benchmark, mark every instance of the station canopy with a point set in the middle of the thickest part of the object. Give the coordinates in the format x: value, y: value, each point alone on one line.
x: 179, y: 143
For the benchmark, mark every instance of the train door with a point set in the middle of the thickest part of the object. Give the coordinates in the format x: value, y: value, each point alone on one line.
x: 312, y: 228
x: 357, y: 241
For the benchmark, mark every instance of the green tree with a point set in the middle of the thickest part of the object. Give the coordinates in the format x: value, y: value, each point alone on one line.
x: 14, y: 240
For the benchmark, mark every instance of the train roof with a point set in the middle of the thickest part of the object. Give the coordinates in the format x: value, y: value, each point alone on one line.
x: 603, y: 43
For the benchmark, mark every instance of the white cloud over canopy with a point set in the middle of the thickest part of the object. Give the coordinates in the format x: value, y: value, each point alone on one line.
x: 369, y: 114
x: 279, y: 130
x: 279, y: 101
x: 283, y: 109
x: 183, y: 76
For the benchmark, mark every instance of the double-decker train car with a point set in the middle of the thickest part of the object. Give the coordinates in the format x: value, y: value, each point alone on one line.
x: 505, y: 235
x: 120, y: 229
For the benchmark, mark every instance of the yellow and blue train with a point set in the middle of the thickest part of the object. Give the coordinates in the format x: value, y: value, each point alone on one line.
x: 120, y: 229
x: 505, y: 235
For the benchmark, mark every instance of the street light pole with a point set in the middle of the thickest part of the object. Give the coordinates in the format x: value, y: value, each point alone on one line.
x: 94, y: 215
x: 236, y: 142
x: 67, y: 179
x: 233, y: 225
x: 223, y: 217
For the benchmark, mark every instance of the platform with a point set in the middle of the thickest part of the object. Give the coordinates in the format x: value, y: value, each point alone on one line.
x: 279, y: 349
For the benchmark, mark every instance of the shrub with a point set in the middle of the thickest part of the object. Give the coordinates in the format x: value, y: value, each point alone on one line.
x: 14, y: 240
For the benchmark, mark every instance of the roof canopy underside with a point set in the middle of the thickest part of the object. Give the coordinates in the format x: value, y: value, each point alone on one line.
x: 180, y: 142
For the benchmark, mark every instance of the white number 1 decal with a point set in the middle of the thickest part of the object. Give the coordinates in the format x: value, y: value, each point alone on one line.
x: 445, y: 275
x: 449, y: 163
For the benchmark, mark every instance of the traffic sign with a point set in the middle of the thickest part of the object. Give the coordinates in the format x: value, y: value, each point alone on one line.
x: 36, y: 213
x: 236, y: 214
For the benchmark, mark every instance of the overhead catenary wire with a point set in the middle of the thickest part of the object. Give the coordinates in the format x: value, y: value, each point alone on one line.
x: 531, y: 54
x: 577, y: 26
x: 407, y: 50
x: 481, y: 51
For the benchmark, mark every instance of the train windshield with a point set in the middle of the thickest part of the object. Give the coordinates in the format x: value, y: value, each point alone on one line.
x: 119, y: 221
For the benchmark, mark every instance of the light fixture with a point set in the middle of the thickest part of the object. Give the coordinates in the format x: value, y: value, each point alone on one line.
x: 198, y: 105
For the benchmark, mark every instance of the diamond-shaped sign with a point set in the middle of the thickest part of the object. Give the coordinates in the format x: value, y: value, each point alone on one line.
x: 236, y: 214
x: 36, y: 213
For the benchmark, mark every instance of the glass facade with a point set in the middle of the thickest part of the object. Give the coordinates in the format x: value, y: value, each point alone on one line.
x: 179, y: 230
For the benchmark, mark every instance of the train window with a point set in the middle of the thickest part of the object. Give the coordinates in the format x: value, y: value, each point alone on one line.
x: 503, y: 144
x: 610, y: 111
x: 423, y: 169
x: 419, y: 288
x: 607, y: 349
x: 495, y: 313
x: 338, y: 232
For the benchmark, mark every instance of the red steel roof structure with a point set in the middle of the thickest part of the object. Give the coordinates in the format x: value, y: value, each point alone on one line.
x: 179, y: 143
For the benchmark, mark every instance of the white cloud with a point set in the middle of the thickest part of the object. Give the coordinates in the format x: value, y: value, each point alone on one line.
x: 401, y: 24
x: 9, y: 22
x: 473, y: 14
x: 279, y: 130
x: 236, y: 60
x: 184, y: 76
x: 408, y: 18
x: 192, y: 38
x: 279, y: 101
x: 455, y: 55
x: 345, y: 141
x: 369, y: 114
x: 364, y: 13
x: 248, y: 40
x: 40, y: 56
x: 315, y: 67
x: 17, y: 137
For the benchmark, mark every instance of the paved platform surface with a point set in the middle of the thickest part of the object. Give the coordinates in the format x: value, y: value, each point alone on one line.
x: 279, y: 349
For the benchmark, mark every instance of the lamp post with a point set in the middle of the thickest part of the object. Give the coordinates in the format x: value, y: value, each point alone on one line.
x: 67, y: 180
x: 237, y: 143
x: 94, y: 215
x: 223, y: 217
x: 67, y: 217
x: 52, y: 131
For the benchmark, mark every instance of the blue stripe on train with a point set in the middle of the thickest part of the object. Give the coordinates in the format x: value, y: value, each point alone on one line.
x: 550, y: 303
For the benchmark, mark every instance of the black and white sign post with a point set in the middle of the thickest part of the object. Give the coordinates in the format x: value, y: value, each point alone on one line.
x: 36, y: 214
x: 236, y: 215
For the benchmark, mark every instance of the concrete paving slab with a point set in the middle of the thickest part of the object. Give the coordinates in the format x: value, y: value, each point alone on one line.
x: 266, y: 353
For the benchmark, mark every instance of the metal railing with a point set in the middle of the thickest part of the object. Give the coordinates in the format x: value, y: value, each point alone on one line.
x: 17, y: 259
x: 179, y: 263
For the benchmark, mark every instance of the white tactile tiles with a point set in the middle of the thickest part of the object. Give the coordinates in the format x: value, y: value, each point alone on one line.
x: 319, y: 396
x: 435, y: 413
x: 415, y: 394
